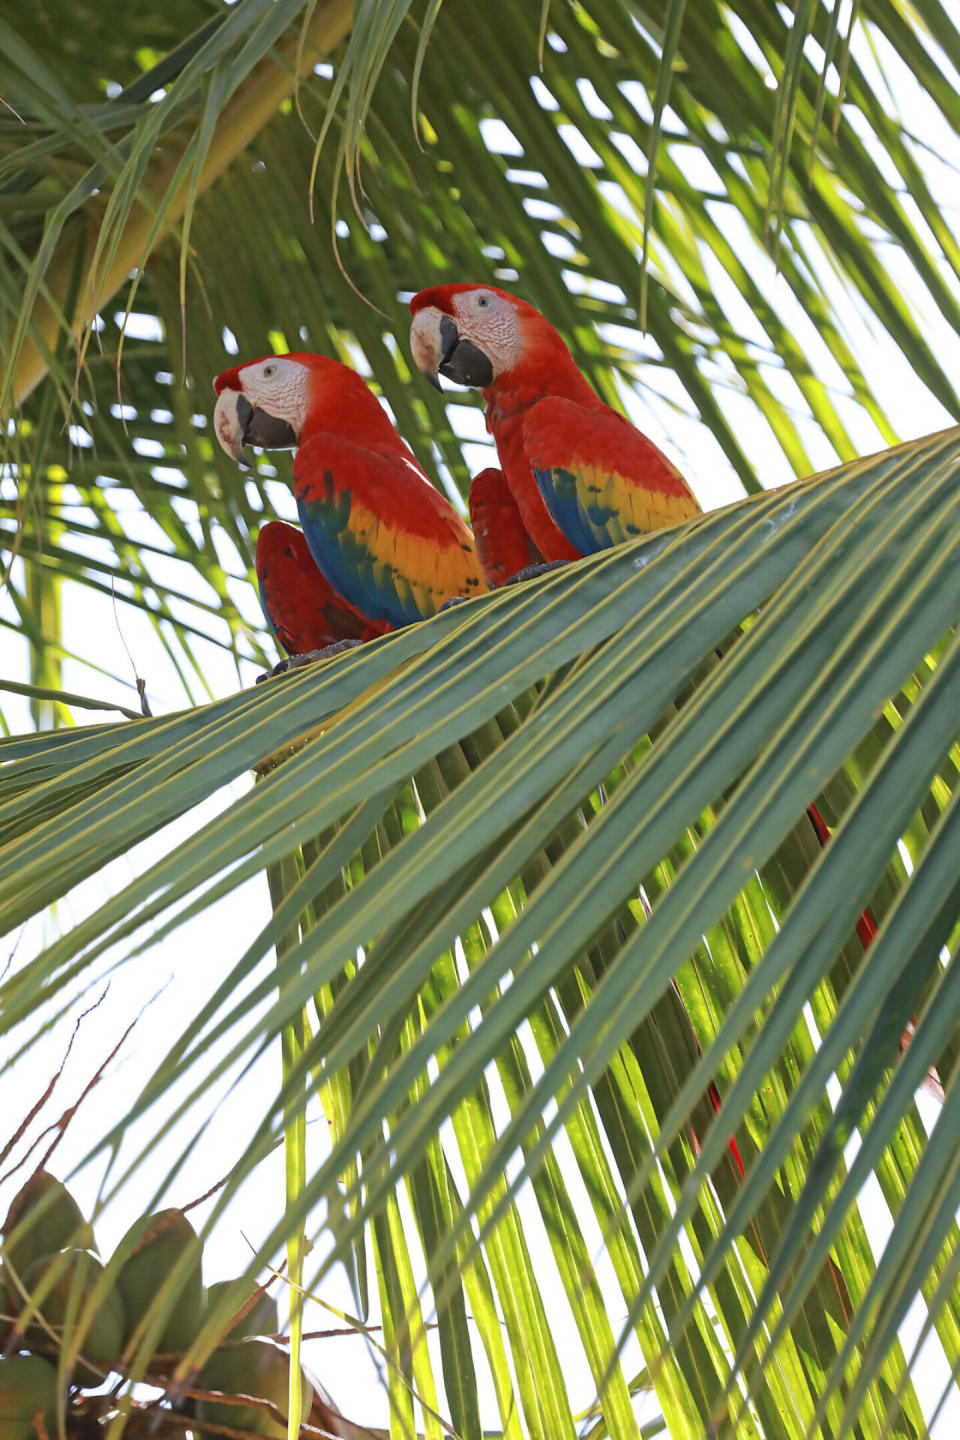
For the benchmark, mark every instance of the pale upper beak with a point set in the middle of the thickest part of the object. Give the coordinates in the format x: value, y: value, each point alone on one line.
x: 437, y: 349
x: 230, y: 418
x: 237, y: 423
x: 433, y: 338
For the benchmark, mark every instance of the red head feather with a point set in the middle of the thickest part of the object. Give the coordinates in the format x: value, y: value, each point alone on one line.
x: 228, y: 380
x: 441, y: 296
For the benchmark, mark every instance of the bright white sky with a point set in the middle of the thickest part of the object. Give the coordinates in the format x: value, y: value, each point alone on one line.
x: 180, y: 974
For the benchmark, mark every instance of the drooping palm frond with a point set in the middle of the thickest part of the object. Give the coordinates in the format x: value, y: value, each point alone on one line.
x: 636, y: 817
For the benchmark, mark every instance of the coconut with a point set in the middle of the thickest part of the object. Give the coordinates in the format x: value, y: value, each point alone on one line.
x: 260, y: 1319
x: 28, y: 1397
x: 254, y: 1367
x: 53, y: 1221
x: 159, y: 1242
x: 61, y: 1285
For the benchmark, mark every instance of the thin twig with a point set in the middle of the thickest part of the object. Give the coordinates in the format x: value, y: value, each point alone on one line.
x: 140, y: 683
x: 7, y: 106
x: 16, y: 944
x: 60, y: 1126
x: 38, y: 1106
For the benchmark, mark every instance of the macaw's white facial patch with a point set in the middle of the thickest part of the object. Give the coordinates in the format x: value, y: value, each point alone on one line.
x: 490, y: 322
x: 279, y: 386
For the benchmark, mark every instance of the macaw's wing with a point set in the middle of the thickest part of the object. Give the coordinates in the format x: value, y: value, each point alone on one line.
x: 503, y: 545
x: 601, y: 479
x: 391, y: 545
x: 303, y: 609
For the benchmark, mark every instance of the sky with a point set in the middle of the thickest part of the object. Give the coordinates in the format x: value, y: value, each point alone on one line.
x: 169, y: 982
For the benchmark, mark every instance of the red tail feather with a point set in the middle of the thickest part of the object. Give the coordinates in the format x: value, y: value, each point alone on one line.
x: 866, y: 925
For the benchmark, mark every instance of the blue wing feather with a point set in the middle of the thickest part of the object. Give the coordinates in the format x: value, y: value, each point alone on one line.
x: 380, y: 533
x: 602, y: 481
x: 591, y: 528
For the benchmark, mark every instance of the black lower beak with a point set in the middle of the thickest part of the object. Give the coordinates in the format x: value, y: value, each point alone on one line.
x: 263, y: 430
x: 468, y: 365
x: 460, y: 360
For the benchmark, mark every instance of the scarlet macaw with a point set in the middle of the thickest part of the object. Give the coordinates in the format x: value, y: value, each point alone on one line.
x: 583, y: 478
x: 388, y: 547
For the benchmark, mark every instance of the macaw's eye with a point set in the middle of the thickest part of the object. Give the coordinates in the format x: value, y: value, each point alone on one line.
x: 483, y: 301
x: 269, y: 371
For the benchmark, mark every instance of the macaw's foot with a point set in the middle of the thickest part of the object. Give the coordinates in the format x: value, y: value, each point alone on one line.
x: 530, y: 572
x: 293, y: 662
x: 454, y: 600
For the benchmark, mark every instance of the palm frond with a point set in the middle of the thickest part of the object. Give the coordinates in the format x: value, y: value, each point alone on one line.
x: 625, y: 821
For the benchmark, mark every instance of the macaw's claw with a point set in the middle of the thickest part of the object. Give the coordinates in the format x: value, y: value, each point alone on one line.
x: 454, y: 600
x: 293, y: 662
x: 530, y: 572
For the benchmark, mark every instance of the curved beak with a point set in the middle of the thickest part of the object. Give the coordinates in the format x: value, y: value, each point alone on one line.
x: 433, y: 339
x: 437, y: 349
x: 230, y: 418
x: 237, y: 424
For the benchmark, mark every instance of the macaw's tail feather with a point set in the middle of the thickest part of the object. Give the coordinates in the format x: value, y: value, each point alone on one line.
x: 866, y: 925
x: 712, y: 1093
x: 714, y: 1097
x: 503, y: 546
x: 867, y: 933
x: 303, y: 609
